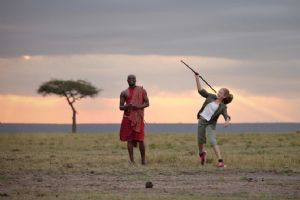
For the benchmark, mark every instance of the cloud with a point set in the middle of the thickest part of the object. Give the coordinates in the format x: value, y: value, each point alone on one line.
x: 256, y: 108
x: 164, y: 108
x: 158, y: 74
x: 251, y: 47
x: 231, y: 29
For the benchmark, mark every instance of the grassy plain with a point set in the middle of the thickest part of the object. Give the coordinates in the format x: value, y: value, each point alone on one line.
x: 95, y: 166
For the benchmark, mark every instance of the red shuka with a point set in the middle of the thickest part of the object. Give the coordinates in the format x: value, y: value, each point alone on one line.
x: 132, y: 126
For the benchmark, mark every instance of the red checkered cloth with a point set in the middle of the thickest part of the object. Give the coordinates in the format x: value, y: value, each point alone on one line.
x: 132, y: 126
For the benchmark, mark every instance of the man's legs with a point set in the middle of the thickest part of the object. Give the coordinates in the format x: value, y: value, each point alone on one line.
x: 130, y: 145
x: 130, y: 150
x: 142, y: 150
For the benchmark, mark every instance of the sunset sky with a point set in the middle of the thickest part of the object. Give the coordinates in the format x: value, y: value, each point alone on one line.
x: 250, y: 47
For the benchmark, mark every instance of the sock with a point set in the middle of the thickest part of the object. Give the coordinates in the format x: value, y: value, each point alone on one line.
x: 220, y: 160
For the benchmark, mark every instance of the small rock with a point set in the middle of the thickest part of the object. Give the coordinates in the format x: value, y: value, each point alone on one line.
x: 40, y: 195
x: 149, y: 184
x: 69, y: 165
x: 15, y: 150
x: 39, y: 180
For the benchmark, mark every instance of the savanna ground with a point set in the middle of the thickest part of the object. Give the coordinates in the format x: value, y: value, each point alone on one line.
x: 95, y: 166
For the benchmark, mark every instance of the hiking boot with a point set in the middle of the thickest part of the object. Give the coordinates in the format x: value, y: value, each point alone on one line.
x: 202, y: 157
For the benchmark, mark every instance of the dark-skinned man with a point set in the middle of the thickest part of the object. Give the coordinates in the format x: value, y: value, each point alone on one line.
x: 133, y: 100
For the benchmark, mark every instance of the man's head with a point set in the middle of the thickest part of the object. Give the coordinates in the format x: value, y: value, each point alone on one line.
x: 131, y: 80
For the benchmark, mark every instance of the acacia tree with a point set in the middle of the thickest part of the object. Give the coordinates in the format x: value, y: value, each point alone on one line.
x: 71, y: 90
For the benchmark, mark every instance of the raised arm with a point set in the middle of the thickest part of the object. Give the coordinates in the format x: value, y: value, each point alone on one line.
x: 199, y: 88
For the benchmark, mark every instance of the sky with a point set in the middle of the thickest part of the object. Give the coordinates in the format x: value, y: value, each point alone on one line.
x: 250, y: 47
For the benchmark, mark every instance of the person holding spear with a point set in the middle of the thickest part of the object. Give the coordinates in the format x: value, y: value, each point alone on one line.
x: 212, y: 108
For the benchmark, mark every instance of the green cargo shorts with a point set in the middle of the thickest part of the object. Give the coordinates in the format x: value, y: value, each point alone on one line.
x: 206, y: 129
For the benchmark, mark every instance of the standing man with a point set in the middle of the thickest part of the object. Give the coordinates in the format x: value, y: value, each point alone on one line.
x: 133, y: 100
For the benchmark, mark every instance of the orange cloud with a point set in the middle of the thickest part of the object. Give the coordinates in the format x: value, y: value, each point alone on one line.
x: 164, y: 108
x: 249, y: 108
x: 30, y: 109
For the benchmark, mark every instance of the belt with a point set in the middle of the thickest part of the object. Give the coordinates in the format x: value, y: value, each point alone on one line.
x: 203, y: 119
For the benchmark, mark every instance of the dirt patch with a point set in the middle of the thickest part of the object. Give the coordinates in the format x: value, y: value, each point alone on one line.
x: 221, y: 182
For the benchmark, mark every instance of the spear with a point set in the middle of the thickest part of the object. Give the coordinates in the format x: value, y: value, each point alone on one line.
x: 198, y: 75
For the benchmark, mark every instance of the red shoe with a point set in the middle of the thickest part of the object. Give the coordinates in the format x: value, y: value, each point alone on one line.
x: 221, y: 165
x: 202, y: 157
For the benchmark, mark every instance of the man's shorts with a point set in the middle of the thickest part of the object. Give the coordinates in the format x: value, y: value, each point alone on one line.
x: 206, y: 129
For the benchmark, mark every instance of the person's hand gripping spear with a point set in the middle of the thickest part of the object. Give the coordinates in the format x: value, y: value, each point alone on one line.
x: 196, y: 73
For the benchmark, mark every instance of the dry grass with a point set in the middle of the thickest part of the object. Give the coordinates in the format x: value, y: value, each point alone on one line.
x: 165, y: 151
x: 167, y: 155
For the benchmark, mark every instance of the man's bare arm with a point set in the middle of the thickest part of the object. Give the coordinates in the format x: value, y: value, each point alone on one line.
x: 122, y: 102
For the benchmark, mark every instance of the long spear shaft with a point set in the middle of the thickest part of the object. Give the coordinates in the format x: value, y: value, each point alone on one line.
x: 199, y: 76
